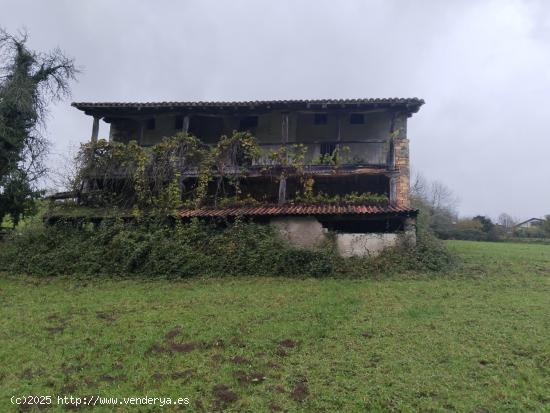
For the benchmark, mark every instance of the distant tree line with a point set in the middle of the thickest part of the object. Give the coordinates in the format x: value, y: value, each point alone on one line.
x: 438, y: 206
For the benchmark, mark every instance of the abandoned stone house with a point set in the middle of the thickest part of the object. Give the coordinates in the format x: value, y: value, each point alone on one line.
x: 374, y: 132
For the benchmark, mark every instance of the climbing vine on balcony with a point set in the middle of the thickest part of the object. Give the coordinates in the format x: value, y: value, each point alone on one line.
x: 133, y: 176
x: 154, y: 178
x: 183, y: 171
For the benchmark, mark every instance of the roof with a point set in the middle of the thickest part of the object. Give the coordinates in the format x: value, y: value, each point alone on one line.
x: 274, y: 210
x: 530, y: 220
x: 410, y: 104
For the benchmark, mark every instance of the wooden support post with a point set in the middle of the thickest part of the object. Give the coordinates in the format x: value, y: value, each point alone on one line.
x: 282, y: 190
x: 141, y: 131
x: 284, y: 141
x: 339, y: 130
x: 95, y: 129
x: 284, y: 128
x: 186, y: 124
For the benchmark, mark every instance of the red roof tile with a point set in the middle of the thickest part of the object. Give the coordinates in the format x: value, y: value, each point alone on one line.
x: 321, y: 209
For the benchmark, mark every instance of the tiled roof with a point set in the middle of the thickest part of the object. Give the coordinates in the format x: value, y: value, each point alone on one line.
x: 412, y: 103
x: 320, y: 209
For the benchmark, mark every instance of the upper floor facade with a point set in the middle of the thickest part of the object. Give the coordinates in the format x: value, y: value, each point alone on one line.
x: 364, y: 127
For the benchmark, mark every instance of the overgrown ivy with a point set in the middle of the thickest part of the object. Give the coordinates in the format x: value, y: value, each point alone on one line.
x: 183, y: 171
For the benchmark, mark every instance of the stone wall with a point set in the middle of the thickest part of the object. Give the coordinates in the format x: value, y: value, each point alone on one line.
x: 402, y: 181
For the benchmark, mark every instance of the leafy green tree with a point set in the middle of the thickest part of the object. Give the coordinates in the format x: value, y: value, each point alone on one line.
x: 17, y: 198
x: 546, y: 225
x: 29, y: 82
x: 486, y: 223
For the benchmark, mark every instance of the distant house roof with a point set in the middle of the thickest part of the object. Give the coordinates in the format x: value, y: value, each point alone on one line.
x: 531, y: 220
x: 274, y: 210
x: 410, y: 105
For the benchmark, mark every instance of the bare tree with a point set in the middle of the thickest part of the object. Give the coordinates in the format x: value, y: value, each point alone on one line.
x: 506, y: 220
x: 419, y: 186
x: 441, y: 196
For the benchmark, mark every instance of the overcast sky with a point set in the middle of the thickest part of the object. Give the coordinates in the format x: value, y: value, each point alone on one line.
x: 483, y: 68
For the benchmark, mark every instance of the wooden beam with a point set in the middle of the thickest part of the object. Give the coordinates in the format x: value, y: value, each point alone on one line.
x: 284, y: 128
x: 95, y: 129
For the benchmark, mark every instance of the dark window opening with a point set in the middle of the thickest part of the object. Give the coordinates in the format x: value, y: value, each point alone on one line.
x: 178, y: 123
x: 320, y: 119
x: 206, y: 128
x: 151, y: 123
x: 327, y: 149
x: 357, y: 119
x: 248, y: 123
x: 376, y: 184
x: 365, y: 226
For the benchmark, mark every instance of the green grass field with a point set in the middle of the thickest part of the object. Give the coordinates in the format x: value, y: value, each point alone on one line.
x: 474, y: 340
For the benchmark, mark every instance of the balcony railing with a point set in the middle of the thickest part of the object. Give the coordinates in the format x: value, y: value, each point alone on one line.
x: 359, y: 153
x: 320, y: 158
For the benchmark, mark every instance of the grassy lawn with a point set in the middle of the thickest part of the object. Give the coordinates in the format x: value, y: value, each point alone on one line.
x: 475, y: 340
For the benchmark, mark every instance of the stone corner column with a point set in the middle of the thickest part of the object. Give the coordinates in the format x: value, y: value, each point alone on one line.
x: 402, y: 181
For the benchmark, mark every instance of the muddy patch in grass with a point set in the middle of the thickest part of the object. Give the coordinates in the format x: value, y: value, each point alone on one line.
x: 173, y: 347
x: 57, y: 318
x: 278, y: 389
x: 111, y: 379
x: 182, y: 375
x: 287, y: 343
x: 67, y: 389
x: 72, y: 368
x: 56, y: 329
x: 239, y: 360
x: 300, y: 391
x: 223, y: 396
x: 238, y: 342
x: 183, y: 347
x: 244, y: 378
x: 281, y: 352
x: 30, y: 373
x: 274, y: 407
x: 105, y: 315
x: 241, y: 377
x: 156, y: 348
x: 217, y: 358
x: 272, y: 365
x: 218, y: 343
x: 30, y: 406
x: 176, y: 331
x: 284, y: 346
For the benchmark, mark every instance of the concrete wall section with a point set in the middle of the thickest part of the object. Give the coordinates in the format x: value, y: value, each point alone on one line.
x: 307, y: 232
x: 302, y: 232
x: 364, y: 245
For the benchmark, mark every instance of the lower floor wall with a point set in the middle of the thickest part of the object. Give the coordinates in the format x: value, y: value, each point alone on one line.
x: 307, y: 232
x: 364, y: 245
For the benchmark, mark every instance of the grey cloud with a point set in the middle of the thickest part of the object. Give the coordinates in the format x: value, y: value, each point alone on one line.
x: 483, y: 68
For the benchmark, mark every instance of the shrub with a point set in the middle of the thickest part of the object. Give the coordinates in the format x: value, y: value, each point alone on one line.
x: 159, y: 249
